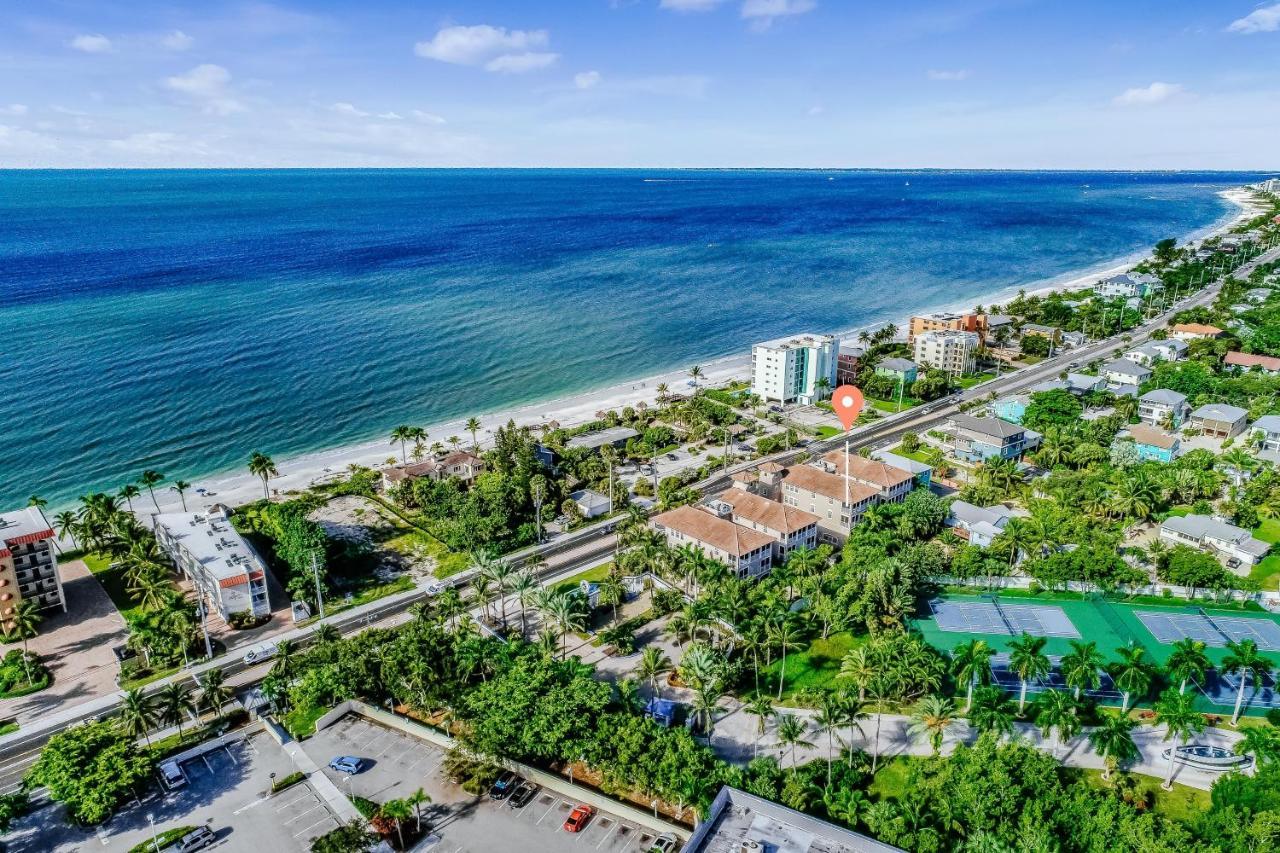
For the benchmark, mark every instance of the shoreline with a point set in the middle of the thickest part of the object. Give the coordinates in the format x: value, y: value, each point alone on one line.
x: 301, y: 471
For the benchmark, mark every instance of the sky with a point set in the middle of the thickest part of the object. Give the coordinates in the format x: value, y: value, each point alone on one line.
x: 1114, y: 84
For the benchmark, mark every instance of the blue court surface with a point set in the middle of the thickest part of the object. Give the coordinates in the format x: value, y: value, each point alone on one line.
x: 987, y: 617
x: 1213, y: 631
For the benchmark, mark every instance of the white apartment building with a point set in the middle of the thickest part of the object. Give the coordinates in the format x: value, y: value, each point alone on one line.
x: 28, y: 565
x: 1128, y: 285
x: 225, y: 570
x: 952, y: 351
x: 790, y: 370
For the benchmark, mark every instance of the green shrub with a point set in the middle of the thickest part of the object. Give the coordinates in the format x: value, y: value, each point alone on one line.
x: 288, y: 781
x: 162, y: 840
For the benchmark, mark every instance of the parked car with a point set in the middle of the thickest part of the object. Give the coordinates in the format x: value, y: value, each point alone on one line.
x: 663, y: 844
x: 503, y: 785
x: 578, y: 818
x: 523, y: 794
x: 347, y: 764
x: 197, y: 839
x: 259, y: 653
x: 172, y: 776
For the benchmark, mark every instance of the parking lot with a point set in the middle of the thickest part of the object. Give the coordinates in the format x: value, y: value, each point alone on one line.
x: 400, y: 764
x: 227, y: 790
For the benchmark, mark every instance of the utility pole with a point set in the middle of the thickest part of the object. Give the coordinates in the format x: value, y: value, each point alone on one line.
x: 204, y: 626
x: 315, y: 570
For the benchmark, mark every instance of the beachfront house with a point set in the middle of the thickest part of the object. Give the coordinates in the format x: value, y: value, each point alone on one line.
x: 795, y: 369
x: 1234, y: 545
x: 1127, y: 286
x: 28, y: 564
x: 1153, y: 352
x: 1194, y: 332
x: 1248, y: 361
x: 951, y: 351
x: 977, y: 525
x: 225, y: 570
x: 1011, y: 408
x: 1124, y: 376
x: 1153, y: 444
x: 1163, y: 408
x: 616, y: 437
x: 747, y: 552
x: 898, y: 369
x: 461, y: 464
x: 979, y: 439
x: 848, y: 365
x: 1266, y: 430
x: 1219, y: 420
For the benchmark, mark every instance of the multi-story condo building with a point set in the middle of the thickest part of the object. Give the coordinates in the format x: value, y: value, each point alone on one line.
x: 945, y: 322
x: 28, y: 565
x: 747, y: 552
x: 790, y: 527
x: 891, y: 483
x: 224, y: 569
x: 837, y: 501
x: 791, y: 370
x: 954, y: 352
x: 1163, y: 408
x: 848, y: 365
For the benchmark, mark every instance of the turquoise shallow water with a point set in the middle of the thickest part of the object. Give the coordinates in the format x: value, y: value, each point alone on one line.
x: 179, y: 320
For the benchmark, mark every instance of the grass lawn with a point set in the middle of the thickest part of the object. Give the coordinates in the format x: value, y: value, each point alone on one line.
x: 112, y: 580
x: 814, y: 668
x: 595, y: 575
x: 1267, y: 573
x: 1268, y: 530
x: 8, y: 727
x: 918, y: 454
x: 1182, y: 803
x: 301, y: 722
x: 892, y: 405
x: 974, y: 379
x: 414, y: 541
x: 891, y: 779
x: 828, y: 431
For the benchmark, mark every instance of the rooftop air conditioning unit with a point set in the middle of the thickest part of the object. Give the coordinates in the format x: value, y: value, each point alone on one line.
x: 750, y: 846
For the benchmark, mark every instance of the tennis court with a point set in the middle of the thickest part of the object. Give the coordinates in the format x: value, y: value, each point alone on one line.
x: 1008, y: 680
x: 988, y: 617
x: 1215, y: 632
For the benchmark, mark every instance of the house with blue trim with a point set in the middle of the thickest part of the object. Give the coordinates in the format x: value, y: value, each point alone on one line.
x: 1153, y: 444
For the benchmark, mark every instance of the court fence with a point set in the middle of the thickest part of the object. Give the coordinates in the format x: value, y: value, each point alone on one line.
x: 1178, y: 594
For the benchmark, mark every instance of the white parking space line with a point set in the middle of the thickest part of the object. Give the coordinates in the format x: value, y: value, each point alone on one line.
x: 316, y: 807
x: 548, y: 811
x: 609, y: 831
x: 305, y: 794
x: 324, y: 819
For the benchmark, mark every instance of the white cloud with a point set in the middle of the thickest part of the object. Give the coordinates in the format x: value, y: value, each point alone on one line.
x: 177, y: 40
x: 461, y: 45
x: 519, y: 63
x: 91, y: 43
x: 209, y: 86
x: 957, y: 74
x: 390, y: 116
x: 761, y: 13
x: 155, y: 144
x: 817, y: 110
x: 689, y: 5
x: 14, y: 110
x: 1264, y: 20
x: 427, y: 118
x: 347, y: 109
x: 586, y: 79
x: 1147, y: 95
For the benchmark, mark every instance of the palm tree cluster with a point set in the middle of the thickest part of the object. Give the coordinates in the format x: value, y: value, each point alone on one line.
x: 172, y: 705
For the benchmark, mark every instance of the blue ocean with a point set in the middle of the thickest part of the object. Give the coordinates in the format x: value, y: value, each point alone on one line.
x: 180, y: 320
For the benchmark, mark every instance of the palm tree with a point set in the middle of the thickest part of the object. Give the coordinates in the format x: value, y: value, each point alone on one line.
x: 150, y: 479
x: 1243, y: 660
x: 1187, y: 662
x: 214, y: 691
x: 992, y: 711
x: 25, y: 624
x: 971, y: 663
x: 1057, y: 713
x: 473, y: 426
x: 524, y: 585
x: 706, y: 701
x: 654, y: 663
x: 454, y: 441
x: 174, y: 701
x: 786, y: 636
x: 129, y: 491
x: 611, y: 592
x: 566, y: 610
x: 418, y: 799
x: 1182, y: 722
x: 419, y: 437
x: 1132, y: 673
x: 260, y: 465
x: 137, y: 714
x: 664, y: 393
x: 793, y: 731
x: 397, y: 811
x: 761, y: 707
x: 181, y: 486
x: 285, y: 652
x: 402, y: 435
x: 1028, y: 660
x: 325, y: 634
x: 1262, y: 742
x: 830, y: 718
x: 1016, y: 538
x: 932, y: 718
x: 1080, y: 666
x: 695, y: 373
x: 66, y: 525
x: 1113, y: 740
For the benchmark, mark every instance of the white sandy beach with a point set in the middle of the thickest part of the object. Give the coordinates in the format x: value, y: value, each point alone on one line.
x: 234, y: 488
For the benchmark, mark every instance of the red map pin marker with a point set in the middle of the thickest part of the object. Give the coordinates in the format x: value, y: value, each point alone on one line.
x: 847, y: 401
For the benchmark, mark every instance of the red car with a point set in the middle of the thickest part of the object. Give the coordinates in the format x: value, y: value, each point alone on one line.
x: 578, y: 818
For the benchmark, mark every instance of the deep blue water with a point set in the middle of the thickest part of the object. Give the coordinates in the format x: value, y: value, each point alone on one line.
x: 181, y: 319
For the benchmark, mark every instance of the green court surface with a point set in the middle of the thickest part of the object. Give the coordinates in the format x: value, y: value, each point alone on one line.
x: 1110, y: 624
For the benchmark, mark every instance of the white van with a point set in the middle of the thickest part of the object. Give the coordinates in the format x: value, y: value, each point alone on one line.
x: 172, y: 776
x: 259, y: 653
